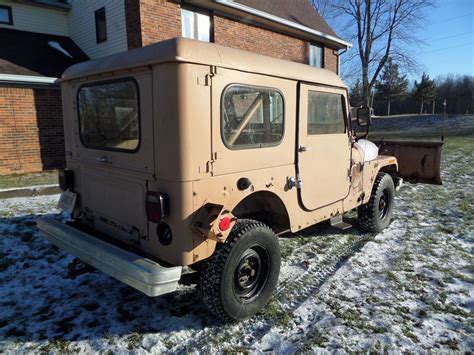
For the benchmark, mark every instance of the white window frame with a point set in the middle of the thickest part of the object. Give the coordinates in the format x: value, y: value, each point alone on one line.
x: 9, y: 12
x: 100, y: 36
x: 199, y: 28
x: 315, y: 59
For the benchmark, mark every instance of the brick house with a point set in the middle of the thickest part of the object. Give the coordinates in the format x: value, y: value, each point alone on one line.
x: 39, y: 39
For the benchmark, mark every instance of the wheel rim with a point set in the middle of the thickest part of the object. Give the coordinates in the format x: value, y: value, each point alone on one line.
x: 384, y: 204
x: 251, y: 273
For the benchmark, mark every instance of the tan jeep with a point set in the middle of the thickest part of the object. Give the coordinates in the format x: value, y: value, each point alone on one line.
x: 189, y: 153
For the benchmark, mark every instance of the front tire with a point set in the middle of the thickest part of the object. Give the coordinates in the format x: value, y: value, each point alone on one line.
x: 376, y: 215
x: 238, y: 280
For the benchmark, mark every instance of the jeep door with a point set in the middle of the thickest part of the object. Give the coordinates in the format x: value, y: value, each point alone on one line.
x: 324, y: 148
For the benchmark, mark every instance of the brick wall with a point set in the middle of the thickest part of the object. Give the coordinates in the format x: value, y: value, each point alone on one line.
x: 133, y: 23
x: 330, y: 59
x: 158, y: 20
x: 31, y: 130
x: 239, y: 35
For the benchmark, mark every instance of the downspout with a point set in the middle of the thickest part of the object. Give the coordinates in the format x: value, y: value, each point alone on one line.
x: 337, y: 54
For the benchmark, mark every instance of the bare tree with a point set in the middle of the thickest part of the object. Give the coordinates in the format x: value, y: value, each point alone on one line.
x: 322, y: 6
x: 380, y: 29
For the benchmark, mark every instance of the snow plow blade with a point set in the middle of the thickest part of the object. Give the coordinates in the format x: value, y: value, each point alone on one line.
x: 134, y: 270
x: 418, y: 162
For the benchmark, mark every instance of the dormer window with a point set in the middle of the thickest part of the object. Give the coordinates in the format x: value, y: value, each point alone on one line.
x: 6, y: 15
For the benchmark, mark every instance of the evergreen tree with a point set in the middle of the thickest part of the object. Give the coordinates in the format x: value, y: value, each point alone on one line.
x: 425, y: 90
x: 392, y: 85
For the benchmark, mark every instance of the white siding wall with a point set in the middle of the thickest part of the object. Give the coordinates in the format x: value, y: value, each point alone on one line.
x: 82, y: 26
x: 37, y: 19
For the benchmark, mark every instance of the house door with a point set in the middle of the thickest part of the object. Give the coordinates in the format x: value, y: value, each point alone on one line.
x: 324, y: 148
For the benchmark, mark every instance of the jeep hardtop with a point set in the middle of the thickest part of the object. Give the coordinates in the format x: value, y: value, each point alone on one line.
x: 185, y: 153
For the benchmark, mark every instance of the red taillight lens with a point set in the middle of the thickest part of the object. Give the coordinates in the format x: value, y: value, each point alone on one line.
x: 157, y: 206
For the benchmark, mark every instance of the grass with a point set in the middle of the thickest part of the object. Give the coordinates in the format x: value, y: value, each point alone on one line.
x: 274, y: 311
x: 429, y: 127
x: 450, y: 343
x: 314, y: 339
x: 32, y: 179
x: 236, y: 351
x: 466, y: 206
x: 407, y: 332
x: 133, y: 340
x: 60, y: 346
x: 445, y: 229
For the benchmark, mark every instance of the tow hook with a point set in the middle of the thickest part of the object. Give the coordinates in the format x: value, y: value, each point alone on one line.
x: 77, y: 267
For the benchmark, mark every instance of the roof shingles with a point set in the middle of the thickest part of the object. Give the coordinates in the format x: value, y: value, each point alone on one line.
x: 298, y: 11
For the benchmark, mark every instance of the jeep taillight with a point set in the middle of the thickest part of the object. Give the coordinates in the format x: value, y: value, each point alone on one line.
x: 66, y: 179
x: 157, y: 206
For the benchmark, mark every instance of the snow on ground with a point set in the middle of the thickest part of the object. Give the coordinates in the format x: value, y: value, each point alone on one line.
x: 409, y: 288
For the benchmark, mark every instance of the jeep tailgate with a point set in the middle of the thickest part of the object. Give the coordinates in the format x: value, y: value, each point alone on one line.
x: 111, y: 151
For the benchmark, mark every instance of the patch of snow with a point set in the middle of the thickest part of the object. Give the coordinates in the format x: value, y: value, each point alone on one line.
x: 33, y: 188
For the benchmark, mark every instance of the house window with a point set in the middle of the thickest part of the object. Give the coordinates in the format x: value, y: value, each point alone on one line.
x: 195, y: 25
x: 100, y: 25
x: 6, y: 15
x: 316, y: 56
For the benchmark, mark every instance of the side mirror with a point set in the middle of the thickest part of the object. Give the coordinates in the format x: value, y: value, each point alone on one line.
x: 364, y: 117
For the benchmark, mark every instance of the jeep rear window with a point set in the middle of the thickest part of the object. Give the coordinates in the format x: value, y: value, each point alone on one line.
x: 251, y: 117
x: 109, y: 115
x: 325, y: 113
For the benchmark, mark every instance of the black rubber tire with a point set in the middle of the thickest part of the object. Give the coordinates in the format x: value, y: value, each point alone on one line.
x: 370, y: 217
x: 219, y: 283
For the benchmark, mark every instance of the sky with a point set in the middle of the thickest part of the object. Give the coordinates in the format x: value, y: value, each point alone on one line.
x: 447, y: 45
x: 449, y: 39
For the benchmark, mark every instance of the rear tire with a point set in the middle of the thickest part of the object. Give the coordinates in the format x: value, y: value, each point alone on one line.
x: 376, y: 215
x: 238, y: 280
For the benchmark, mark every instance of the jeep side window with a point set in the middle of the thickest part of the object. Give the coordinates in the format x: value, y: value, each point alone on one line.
x: 109, y: 115
x: 325, y: 113
x: 251, y: 117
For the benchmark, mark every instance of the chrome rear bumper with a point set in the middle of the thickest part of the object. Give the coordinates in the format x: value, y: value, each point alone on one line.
x: 134, y: 270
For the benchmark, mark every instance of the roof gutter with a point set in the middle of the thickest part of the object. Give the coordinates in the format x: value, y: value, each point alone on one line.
x: 297, y: 26
x: 53, y: 4
x: 26, y: 79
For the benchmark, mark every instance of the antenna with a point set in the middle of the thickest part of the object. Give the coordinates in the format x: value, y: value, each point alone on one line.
x: 444, y: 120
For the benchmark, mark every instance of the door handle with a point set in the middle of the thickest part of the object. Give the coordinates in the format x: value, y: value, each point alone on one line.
x: 302, y: 148
x: 104, y: 160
